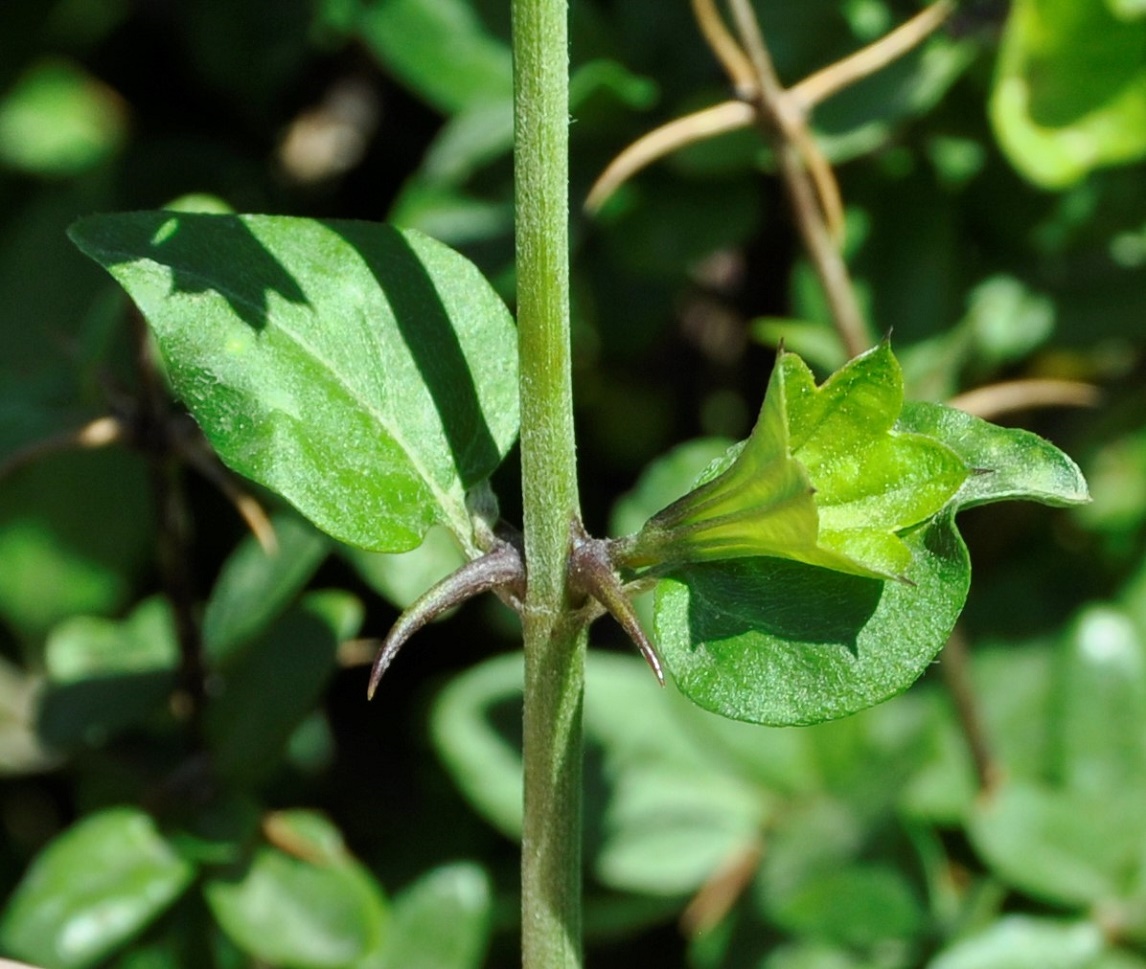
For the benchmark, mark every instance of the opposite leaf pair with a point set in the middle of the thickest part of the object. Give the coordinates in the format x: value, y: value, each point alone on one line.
x: 368, y: 375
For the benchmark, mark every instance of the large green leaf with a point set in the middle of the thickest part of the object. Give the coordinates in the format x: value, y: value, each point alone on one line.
x: 778, y: 642
x: 92, y: 889
x: 366, y: 374
x: 775, y: 638
x: 312, y: 906
x: 1070, y: 89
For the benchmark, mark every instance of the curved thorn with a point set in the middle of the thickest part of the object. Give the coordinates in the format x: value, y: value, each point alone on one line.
x: 501, y: 567
x: 591, y: 573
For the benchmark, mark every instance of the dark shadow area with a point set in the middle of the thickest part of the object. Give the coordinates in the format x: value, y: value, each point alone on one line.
x: 206, y: 253
x: 429, y: 334
x: 788, y: 600
x: 97, y: 709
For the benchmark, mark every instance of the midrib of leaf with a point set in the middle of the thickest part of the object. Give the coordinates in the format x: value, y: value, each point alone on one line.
x: 458, y: 523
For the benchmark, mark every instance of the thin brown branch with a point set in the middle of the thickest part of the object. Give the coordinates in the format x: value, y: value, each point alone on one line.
x: 193, y: 450
x: 173, y: 526
x: 810, y: 184
x: 831, y: 80
x: 724, y: 46
x: 752, y: 39
x: 717, y: 120
x: 994, y: 400
x: 96, y: 434
x: 955, y: 665
x: 717, y: 896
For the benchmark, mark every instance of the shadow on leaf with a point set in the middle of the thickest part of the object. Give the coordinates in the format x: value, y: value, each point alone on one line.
x: 185, y: 240
x: 787, y: 600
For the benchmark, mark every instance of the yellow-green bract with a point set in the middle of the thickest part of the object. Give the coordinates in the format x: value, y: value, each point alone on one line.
x: 824, y: 479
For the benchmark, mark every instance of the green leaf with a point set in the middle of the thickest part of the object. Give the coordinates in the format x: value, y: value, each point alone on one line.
x: 661, y: 817
x: 1100, y: 715
x: 1070, y: 89
x: 812, y: 955
x: 255, y: 585
x: 59, y: 121
x: 93, y: 888
x: 777, y: 642
x: 861, y: 905
x: 106, y: 675
x: 668, y: 829
x: 1008, y: 462
x: 56, y: 565
x: 1059, y: 846
x: 480, y: 744
x: 440, y: 49
x: 1024, y: 942
x: 310, y: 907
x: 442, y: 921
x: 823, y: 479
x: 271, y: 687
x: 402, y: 578
x: 366, y: 374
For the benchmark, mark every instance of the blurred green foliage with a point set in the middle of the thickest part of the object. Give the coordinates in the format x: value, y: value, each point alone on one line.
x: 997, y: 228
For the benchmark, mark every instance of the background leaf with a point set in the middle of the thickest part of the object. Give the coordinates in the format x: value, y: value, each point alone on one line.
x: 255, y: 585
x: 105, y: 676
x: 442, y: 921
x: 92, y: 889
x: 271, y: 686
x: 1070, y: 89
x: 1020, y: 942
x: 301, y: 912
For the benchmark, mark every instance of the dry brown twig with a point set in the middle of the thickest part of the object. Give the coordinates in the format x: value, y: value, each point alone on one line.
x: 1009, y: 396
x: 96, y: 434
x: 988, y: 402
x: 782, y: 116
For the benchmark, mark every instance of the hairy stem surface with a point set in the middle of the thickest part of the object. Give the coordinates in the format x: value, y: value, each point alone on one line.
x: 554, y: 643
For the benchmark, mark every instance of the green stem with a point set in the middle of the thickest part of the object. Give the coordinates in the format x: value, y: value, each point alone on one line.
x: 554, y: 643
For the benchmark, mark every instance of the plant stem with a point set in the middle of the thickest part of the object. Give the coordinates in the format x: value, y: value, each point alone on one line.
x: 173, y: 528
x: 554, y: 642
